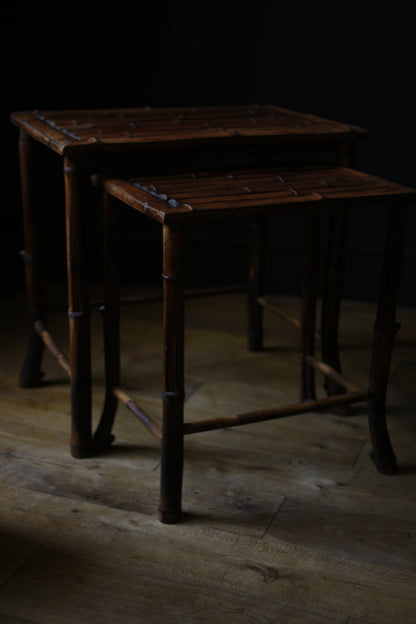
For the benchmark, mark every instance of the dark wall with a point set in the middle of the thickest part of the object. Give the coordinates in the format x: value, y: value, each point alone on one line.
x: 352, y: 62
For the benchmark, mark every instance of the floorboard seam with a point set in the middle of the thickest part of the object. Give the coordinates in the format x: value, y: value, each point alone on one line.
x: 30, y: 557
x: 273, y: 518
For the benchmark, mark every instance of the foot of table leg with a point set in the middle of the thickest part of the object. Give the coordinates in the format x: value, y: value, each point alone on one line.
x: 81, y: 442
x: 170, y: 505
x: 382, y: 454
x: 103, y: 438
x: 169, y: 517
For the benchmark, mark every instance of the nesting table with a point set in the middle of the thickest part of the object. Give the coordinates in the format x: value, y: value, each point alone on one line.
x: 113, y: 142
x: 199, y: 196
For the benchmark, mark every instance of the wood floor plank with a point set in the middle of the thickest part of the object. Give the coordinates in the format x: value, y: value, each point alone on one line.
x: 346, y: 521
x: 134, y: 487
x: 61, y: 588
x: 11, y: 619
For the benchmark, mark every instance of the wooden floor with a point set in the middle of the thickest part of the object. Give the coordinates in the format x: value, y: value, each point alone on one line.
x: 285, y: 522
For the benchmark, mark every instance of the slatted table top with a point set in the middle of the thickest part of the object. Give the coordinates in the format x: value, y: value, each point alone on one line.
x: 74, y: 131
x: 205, y: 195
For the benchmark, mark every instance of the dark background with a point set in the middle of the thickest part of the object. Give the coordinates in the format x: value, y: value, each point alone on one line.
x: 352, y: 62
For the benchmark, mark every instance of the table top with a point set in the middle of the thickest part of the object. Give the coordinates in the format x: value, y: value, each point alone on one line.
x: 75, y: 132
x: 205, y: 195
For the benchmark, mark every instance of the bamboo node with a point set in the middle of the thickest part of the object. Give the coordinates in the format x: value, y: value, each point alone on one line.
x: 171, y: 396
x: 69, y: 167
x: 26, y: 257
x: 76, y: 314
x: 169, y: 277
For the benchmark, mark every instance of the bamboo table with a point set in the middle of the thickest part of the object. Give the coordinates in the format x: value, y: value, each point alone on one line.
x: 113, y: 141
x: 197, y: 197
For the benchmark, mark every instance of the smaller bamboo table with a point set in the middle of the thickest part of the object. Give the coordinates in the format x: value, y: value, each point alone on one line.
x: 174, y: 202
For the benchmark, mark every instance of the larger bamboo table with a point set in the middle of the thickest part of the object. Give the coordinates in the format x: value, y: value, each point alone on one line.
x: 175, y: 202
x: 111, y: 141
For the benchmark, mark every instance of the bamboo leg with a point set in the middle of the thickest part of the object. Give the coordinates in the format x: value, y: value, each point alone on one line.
x: 111, y: 321
x: 333, y: 283
x: 331, y: 301
x: 173, y: 381
x: 255, y: 311
x: 384, y: 331
x: 30, y: 374
x: 308, y: 305
x: 78, y: 313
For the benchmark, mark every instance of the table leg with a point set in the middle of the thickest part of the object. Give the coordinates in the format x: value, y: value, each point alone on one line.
x: 333, y: 284
x: 308, y: 303
x: 111, y: 321
x: 78, y: 312
x: 384, y: 331
x: 331, y: 300
x: 173, y: 378
x: 256, y: 271
x: 31, y: 375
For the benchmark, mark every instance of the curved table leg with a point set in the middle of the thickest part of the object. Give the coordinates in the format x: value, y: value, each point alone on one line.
x: 333, y: 284
x: 384, y: 331
x: 111, y: 321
